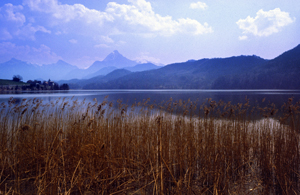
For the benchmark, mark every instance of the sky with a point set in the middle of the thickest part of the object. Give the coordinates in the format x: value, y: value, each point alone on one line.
x: 160, y: 31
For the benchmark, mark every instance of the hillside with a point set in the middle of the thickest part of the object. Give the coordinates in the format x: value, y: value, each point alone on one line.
x: 281, y: 72
x: 92, y: 83
x: 188, y: 75
x: 10, y: 82
x: 116, y: 74
x: 240, y: 72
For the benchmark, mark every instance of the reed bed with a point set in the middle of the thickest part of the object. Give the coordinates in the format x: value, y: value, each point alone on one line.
x: 174, y: 147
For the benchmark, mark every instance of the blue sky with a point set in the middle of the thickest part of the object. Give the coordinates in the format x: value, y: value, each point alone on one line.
x: 81, y: 32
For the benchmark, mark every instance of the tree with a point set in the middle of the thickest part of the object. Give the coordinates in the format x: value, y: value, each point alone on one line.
x: 64, y: 87
x: 17, y: 78
x: 56, y: 86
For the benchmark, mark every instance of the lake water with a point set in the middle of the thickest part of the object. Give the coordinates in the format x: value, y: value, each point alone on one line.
x: 130, y: 96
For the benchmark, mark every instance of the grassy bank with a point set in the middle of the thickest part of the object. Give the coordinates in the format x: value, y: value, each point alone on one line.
x: 10, y: 82
x: 71, y: 147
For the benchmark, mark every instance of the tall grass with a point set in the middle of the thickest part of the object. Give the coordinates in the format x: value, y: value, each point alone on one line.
x: 174, y: 147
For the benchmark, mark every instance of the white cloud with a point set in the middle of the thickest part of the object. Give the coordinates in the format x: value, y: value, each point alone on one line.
x: 146, y: 57
x: 73, y: 41
x: 40, y: 55
x: 137, y: 17
x: 244, y: 37
x: 107, y: 39
x: 101, y: 46
x: 66, y: 13
x: 265, y: 23
x: 28, y: 31
x: 13, y: 24
x: 122, y: 42
x: 5, y: 35
x: 198, y: 5
x: 11, y: 13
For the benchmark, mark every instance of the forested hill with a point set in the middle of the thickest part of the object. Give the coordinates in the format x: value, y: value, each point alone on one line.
x: 279, y: 73
x: 187, y: 75
x: 241, y: 72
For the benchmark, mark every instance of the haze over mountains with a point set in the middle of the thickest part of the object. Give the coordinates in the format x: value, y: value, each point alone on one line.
x: 118, y: 72
x: 63, y: 70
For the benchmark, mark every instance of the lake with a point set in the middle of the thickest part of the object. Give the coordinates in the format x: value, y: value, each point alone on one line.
x: 278, y: 97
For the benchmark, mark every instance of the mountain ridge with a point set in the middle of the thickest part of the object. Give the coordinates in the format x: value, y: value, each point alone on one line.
x: 237, y: 72
x: 62, y: 70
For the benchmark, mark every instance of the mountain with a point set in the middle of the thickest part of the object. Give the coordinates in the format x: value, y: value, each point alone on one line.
x: 32, y: 71
x: 57, y: 70
x: 102, y: 71
x: 112, y: 73
x: 136, y: 68
x: 109, y: 77
x: 117, y: 60
x: 239, y: 72
x: 62, y: 70
x: 75, y: 74
x: 118, y: 72
x: 17, y: 67
x: 281, y: 72
x: 113, y: 61
x: 198, y: 74
x: 92, y: 83
x: 142, y: 67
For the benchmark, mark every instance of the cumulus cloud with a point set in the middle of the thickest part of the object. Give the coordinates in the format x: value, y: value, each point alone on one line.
x: 122, y: 42
x: 13, y: 24
x: 145, y: 57
x: 107, y: 39
x: 28, y: 31
x: 101, y: 46
x: 12, y: 13
x: 142, y: 19
x: 198, y: 5
x: 244, y: 37
x: 137, y: 17
x: 40, y: 55
x: 73, y: 41
x: 265, y: 23
x: 67, y: 13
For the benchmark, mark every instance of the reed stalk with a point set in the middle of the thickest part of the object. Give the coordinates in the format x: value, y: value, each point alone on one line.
x: 173, y: 147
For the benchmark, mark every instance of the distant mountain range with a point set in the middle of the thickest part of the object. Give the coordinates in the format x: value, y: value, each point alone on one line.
x: 241, y: 72
x: 62, y: 70
x: 118, y: 72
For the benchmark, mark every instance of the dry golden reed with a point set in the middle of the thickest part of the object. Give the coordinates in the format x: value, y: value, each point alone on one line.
x: 175, y: 147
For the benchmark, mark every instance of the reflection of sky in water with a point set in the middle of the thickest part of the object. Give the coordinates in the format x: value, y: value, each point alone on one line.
x: 130, y: 96
x: 40, y: 95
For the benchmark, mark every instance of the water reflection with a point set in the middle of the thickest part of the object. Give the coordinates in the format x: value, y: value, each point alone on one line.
x: 278, y: 97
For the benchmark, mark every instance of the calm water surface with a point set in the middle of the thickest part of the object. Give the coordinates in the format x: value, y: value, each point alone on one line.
x: 130, y: 96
